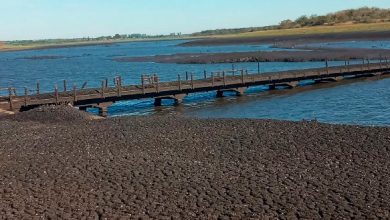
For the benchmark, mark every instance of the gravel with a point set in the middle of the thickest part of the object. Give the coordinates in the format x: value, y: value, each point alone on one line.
x: 52, y: 114
x: 178, y: 168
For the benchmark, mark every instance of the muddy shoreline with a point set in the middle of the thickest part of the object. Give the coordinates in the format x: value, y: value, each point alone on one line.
x: 291, y: 40
x: 140, y: 167
x: 309, y: 54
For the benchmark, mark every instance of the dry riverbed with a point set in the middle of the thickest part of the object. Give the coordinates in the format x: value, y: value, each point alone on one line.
x: 310, y: 54
x: 56, y: 162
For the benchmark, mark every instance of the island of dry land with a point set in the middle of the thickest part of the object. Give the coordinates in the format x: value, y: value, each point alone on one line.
x: 56, y: 162
x: 291, y: 39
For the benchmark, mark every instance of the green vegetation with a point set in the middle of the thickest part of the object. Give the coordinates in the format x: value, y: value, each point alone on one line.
x: 323, y: 29
x: 352, y: 16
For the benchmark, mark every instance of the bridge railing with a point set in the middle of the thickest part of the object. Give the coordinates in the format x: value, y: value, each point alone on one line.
x: 9, y: 97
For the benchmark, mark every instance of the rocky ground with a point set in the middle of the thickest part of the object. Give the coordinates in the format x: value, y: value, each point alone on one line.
x: 290, y: 40
x: 308, y: 54
x: 172, y: 167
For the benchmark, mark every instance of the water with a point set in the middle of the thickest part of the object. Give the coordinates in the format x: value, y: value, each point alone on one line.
x: 354, y: 44
x: 353, y: 102
x: 364, y: 102
x: 95, y: 63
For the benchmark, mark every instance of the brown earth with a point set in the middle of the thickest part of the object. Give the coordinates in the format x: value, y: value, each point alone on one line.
x: 173, y: 167
x: 310, y: 54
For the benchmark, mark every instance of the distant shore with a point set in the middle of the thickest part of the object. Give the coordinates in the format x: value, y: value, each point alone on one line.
x: 291, y: 39
x: 10, y: 48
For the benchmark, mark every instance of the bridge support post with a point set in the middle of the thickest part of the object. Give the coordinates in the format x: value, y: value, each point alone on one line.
x: 38, y: 88
x: 103, y: 111
x: 178, y: 99
x: 329, y: 79
x: 157, y: 102
x: 103, y: 108
x: 289, y: 85
x: 11, y: 106
x: 239, y: 91
x: 219, y: 94
x: 25, y: 96
x: 292, y: 85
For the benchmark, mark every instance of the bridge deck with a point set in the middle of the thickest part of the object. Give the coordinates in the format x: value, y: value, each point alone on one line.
x: 97, y: 96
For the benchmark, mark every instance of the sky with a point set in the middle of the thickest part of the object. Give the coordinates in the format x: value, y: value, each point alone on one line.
x: 44, y: 19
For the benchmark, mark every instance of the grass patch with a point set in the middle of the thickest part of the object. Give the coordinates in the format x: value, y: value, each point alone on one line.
x: 340, y: 28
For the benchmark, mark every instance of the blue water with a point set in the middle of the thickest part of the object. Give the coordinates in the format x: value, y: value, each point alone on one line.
x: 361, y: 102
x: 354, y: 44
x: 95, y: 63
x: 364, y: 102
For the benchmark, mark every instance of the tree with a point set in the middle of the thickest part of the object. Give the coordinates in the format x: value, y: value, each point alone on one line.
x: 287, y: 24
x: 302, y: 21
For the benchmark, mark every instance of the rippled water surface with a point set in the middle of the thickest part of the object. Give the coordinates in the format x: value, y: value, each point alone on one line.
x: 355, y: 44
x: 352, y: 102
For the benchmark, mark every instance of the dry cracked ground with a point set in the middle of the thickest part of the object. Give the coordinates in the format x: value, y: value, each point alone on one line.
x: 55, y: 163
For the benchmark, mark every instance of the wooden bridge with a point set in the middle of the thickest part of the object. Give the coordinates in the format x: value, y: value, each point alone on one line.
x: 151, y: 87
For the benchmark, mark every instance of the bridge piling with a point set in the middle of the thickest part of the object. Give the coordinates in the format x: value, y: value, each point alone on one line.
x: 25, y: 96
x: 56, y: 93
x: 238, y: 91
x: 143, y: 83
x: 224, y: 78
x: 38, y: 88
x: 178, y: 99
x: 157, y: 83
x: 103, y: 108
x: 219, y: 94
x: 179, y: 81
x: 64, y: 85
x: 192, y: 81
x: 11, y: 106
x: 118, y: 88
x: 74, y: 92
x: 103, y: 112
x: 102, y: 89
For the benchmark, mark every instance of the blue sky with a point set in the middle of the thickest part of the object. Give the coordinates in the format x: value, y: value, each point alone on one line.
x: 41, y: 19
